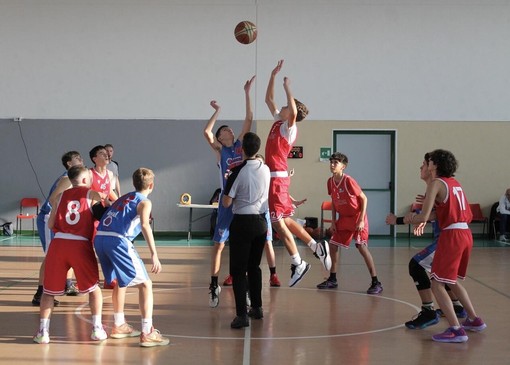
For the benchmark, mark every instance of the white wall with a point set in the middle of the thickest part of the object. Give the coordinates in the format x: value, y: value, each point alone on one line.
x: 348, y: 60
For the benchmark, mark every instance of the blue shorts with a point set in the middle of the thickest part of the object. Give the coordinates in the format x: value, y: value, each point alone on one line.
x: 426, y: 256
x: 222, y: 230
x: 119, y: 260
x: 45, y: 234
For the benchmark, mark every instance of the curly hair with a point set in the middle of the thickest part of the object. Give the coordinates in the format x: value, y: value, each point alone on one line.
x: 339, y: 157
x: 445, y: 162
x: 302, y: 110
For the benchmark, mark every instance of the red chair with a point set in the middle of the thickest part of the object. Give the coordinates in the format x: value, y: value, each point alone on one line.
x: 478, y: 217
x: 31, y: 204
x: 326, y: 205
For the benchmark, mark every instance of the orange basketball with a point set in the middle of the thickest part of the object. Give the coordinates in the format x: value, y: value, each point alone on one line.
x: 245, y: 32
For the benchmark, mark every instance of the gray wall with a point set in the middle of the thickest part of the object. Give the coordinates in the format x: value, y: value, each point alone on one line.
x: 175, y: 150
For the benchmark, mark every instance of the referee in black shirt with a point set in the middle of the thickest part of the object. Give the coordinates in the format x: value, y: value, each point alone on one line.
x: 247, y: 190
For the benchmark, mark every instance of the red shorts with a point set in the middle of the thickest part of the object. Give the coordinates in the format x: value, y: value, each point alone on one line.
x: 346, y: 232
x: 452, y: 255
x: 280, y: 204
x: 64, y: 254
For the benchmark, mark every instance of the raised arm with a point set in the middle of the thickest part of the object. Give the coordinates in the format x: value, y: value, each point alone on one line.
x: 208, y: 133
x: 291, y: 103
x: 270, y: 89
x: 248, y: 119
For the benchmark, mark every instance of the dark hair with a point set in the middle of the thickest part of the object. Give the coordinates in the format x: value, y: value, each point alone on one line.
x: 339, y: 157
x: 93, y: 152
x: 74, y: 172
x: 218, y: 131
x: 251, y: 144
x: 302, y: 110
x: 445, y: 162
x: 142, y: 177
x: 108, y: 145
x: 67, y: 157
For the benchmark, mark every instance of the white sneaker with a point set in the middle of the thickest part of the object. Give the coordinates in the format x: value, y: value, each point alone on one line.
x: 98, y: 334
x: 248, y: 299
x: 502, y: 238
x: 298, y: 271
x: 322, y: 253
x: 42, y: 336
x: 214, y: 296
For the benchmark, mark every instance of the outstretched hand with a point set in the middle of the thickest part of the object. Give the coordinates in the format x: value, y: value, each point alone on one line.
x: 248, y: 83
x: 277, y: 68
x: 215, y: 105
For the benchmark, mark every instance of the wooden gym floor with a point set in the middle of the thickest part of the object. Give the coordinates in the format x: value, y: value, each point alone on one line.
x: 301, y: 325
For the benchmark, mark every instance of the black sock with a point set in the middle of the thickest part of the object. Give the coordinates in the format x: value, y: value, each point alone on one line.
x: 214, y: 280
x: 39, y: 290
x: 375, y: 280
x: 332, y: 276
x: 272, y: 270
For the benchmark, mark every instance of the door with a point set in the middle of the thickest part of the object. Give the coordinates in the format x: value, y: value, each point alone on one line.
x: 371, y: 155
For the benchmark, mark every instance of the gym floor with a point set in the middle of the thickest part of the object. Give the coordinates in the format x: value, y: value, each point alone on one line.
x: 301, y: 325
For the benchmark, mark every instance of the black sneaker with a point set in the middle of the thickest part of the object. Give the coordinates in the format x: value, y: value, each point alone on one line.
x: 71, y: 290
x: 36, y: 301
x: 256, y: 313
x: 240, y: 322
x: 425, y: 318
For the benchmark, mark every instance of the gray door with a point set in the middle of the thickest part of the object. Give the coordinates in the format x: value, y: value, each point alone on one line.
x: 371, y: 163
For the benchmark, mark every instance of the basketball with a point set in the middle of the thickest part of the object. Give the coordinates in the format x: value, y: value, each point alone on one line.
x: 245, y: 32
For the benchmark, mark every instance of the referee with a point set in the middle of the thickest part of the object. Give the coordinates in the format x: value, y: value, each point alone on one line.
x: 247, y: 191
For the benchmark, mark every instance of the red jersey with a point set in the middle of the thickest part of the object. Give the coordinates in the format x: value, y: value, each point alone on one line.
x: 345, y: 195
x: 101, y: 184
x: 455, y: 207
x: 74, y: 213
x: 279, y: 144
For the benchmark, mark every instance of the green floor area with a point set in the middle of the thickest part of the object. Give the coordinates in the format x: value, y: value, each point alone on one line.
x: 202, y: 240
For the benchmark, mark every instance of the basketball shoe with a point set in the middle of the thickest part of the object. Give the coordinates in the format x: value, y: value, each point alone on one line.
x: 297, y: 272
x: 322, y: 253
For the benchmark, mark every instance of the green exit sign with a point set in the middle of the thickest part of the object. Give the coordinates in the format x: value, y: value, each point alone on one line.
x: 325, y: 154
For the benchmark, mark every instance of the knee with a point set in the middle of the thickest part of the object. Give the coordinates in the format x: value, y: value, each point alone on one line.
x: 419, y: 275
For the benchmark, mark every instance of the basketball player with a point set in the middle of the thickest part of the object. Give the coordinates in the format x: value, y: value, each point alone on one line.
x: 279, y: 143
x: 454, y: 244
x: 73, y: 224
x: 119, y: 226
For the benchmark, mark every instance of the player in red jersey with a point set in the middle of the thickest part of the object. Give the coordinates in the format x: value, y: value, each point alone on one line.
x: 73, y: 223
x: 279, y: 143
x: 454, y: 245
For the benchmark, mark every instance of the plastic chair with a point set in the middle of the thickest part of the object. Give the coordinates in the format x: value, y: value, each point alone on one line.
x: 24, y: 205
x: 478, y: 216
x: 326, y: 205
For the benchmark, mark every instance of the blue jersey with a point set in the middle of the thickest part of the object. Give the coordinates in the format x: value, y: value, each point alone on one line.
x: 46, y: 207
x: 230, y: 157
x: 122, y: 218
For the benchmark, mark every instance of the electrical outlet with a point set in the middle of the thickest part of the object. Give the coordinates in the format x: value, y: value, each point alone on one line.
x: 18, y: 119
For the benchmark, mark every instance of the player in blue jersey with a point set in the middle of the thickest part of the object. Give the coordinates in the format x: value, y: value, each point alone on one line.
x: 120, y: 224
x: 229, y: 154
x: 69, y: 159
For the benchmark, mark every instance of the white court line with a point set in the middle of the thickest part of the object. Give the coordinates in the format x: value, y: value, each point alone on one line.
x: 248, y: 331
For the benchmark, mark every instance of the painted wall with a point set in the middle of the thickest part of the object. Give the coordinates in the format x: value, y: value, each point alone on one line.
x: 140, y: 75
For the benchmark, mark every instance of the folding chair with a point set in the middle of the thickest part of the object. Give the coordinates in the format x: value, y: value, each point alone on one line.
x: 31, y: 204
x: 326, y: 205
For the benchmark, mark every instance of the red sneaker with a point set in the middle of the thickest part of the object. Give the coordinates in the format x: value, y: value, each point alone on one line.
x: 228, y: 280
x: 274, y: 281
x: 109, y: 286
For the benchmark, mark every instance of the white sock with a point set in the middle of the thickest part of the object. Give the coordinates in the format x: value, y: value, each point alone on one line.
x: 296, y: 259
x: 119, y: 319
x: 44, y: 324
x: 96, y: 321
x: 313, y: 245
x: 146, y: 325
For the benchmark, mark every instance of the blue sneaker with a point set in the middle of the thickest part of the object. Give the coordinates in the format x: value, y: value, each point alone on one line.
x: 459, y: 311
x: 451, y: 335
